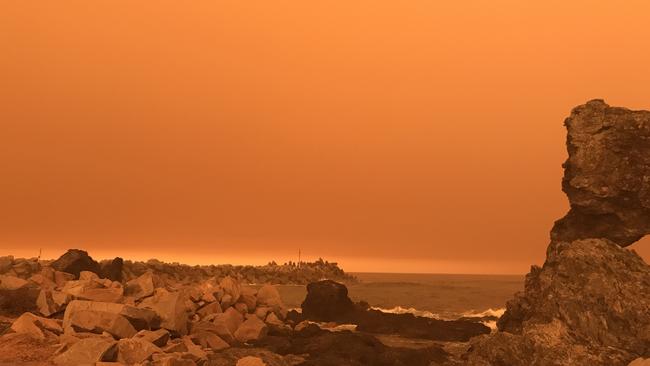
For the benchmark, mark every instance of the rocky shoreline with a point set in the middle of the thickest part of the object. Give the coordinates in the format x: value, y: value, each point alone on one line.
x: 76, y: 315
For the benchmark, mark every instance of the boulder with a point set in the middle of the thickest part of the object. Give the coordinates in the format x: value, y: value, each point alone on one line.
x: 92, y: 289
x: 143, y: 286
x: 596, y: 314
x: 230, y: 318
x: 61, y: 278
x: 250, y: 361
x: 36, y: 326
x: 138, y: 318
x: 170, y: 307
x: 249, y: 297
x: 6, y: 263
x: 209, y: 340
x: 241, y: 307
x: 326, y: 301
x: 174, y: 360
x: 231, y: 287
x: 196, y: 351
x: 88, y: 351
x: 12, y: 283
x: 211, y: 308
x: 268, y: 295
x: 50, y: 302
x: 95, y: 321
x: 262, y: 311
x: 25, y: 268
x: 17, y: 295
x: 136, y: 350
x: 112, y: 269
x: 89, y: 276
x: 640, y: 362
x: 218, y: 328
x: 226, y: 301
x: 158, y: 337
x: 175, y: 345
x: 42, y: 281
x: 607, y: 175
x: 251, y: 330
x: 273, y: 319
x: 74, y: 261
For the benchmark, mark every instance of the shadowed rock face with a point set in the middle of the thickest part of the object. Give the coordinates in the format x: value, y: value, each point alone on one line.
x: 75, y: 261
x: 589, y: 304
x: 607, y: 175
x: 328, y: 301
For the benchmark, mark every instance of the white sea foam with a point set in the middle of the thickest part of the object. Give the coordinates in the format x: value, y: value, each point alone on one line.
x: 401, y: 310
x: 489, y: 312
x: 492, y: 324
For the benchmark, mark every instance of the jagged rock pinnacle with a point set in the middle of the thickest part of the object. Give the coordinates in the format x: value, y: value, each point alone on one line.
x: 607, y: 175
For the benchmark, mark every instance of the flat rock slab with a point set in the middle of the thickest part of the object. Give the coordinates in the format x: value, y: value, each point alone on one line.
x: 88, y: 351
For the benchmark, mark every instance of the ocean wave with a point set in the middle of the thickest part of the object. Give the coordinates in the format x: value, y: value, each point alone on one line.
x: 401, y: 310
x: 489, y: 312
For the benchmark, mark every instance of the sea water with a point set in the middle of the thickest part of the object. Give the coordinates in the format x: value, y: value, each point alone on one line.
x: 441, y: 296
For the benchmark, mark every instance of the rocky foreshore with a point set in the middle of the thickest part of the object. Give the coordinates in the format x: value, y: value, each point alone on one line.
x: 76, y: 311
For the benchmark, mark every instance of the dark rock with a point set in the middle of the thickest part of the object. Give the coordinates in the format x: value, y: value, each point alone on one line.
x: 230, y: 356
x: 588, y: 304
x: 113, y: 269
x: 74, y: 261
x: 326, y: 348
x: 17, y: 296
x: 607, y: 175
x: 411, y: 326
x: 327, y: 301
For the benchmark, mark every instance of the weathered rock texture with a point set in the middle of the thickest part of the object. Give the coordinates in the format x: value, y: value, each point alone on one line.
x: 607, y: 175
x: 589, y: 304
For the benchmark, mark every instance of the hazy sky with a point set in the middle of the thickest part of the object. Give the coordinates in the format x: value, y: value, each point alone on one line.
x: 415, y: 136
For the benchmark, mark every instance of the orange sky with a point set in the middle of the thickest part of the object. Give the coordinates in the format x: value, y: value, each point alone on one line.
x: 388, y: 135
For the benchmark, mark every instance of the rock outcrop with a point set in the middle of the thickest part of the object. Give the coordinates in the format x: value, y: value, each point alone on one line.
x: 589, y: 304
x: 328, y: 301
x: 607, y: 175
x: 75, y: 261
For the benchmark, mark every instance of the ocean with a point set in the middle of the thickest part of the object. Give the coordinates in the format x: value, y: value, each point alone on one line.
x: 442, y: 296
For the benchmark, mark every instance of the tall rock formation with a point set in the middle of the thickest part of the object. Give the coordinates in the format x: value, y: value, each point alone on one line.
x: 607, y: 175
x: 589, y: 304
